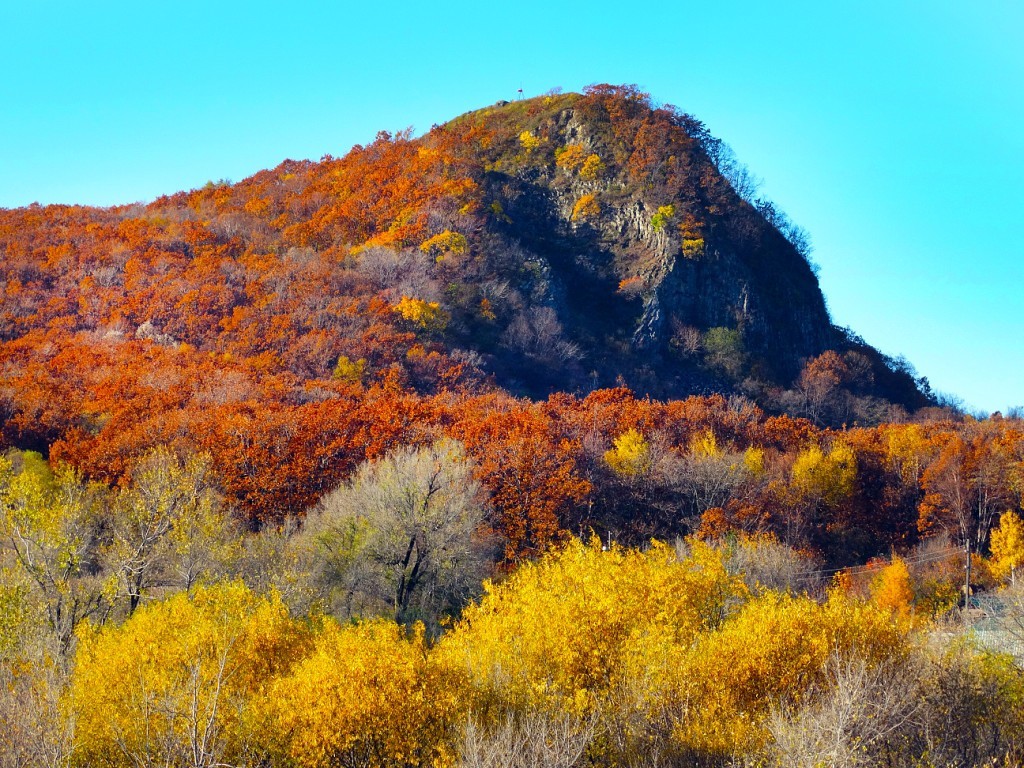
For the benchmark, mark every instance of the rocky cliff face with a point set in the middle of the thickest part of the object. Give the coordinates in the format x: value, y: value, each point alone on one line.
x: 653, y: 261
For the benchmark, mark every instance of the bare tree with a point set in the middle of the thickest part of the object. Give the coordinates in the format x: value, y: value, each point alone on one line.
x: 35, y: 730
x: 766, y: 564
x: 539, y: 334
x: 405, y: 535
x: 945, y: 704
x: 399, y: 273
x: 1010, y: 622
x: 169, y: 528
x: 857, y: 718
x: 531, y: 739
x: 51, y: 526
x: 970, y: 712
x: 710, y: 480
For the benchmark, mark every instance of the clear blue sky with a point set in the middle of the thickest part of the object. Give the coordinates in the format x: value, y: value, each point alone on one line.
x: 893, y: 131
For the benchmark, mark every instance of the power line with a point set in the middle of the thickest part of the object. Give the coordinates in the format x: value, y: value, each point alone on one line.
x: 926, y: 558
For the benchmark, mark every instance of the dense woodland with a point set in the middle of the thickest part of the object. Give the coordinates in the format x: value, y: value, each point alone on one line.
x: 361, y: 462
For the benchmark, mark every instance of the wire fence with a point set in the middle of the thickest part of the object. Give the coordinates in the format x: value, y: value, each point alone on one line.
x: 997, y: 623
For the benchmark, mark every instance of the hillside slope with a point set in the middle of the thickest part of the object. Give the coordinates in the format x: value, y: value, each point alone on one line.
x: 562, y: 243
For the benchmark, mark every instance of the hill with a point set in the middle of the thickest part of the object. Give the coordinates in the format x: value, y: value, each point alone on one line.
x: 589, y: 249
x: 562, y: 243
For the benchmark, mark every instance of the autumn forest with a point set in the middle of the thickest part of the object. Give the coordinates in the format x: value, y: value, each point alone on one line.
x: 525, y: 442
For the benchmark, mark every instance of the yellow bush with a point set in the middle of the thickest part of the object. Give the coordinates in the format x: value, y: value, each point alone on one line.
x: 592, y: 168
x: 705, y: 445
x: 367, y: 695
x: 557, y: 631
x: 529, y: 141
x: 570, y: 157
x: 445, y: 243
x: 1007, y: 545
x: 663, y: 215
x: 720, y: 689
x: 829, y: 477
x: 350, y: 371
x: 179, y: 676
x: 892, y: 588
x: 426, y: 314
x: 585, y: 208
x: 631, y: 454
x: 691, y: 231
x: 656, y: 638
x: 753, y: 461
x: 693, y: 247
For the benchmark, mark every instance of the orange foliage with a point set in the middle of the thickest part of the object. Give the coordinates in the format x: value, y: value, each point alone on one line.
x: 531, y: 475
x: 216, y: 320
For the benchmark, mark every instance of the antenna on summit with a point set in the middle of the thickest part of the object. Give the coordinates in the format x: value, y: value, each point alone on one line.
x: 520, y: 93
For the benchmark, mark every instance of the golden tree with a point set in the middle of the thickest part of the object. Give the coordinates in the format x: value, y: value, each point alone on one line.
x: 367, y: 695
x: 1007, y: 545
x: 177, y: 683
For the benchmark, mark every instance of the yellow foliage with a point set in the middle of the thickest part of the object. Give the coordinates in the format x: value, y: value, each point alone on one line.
x: 557, y: 632
x: 16, y: 616
x: 631, y: 454
x: 178, y: 676
x: 367, y: 695
x: 656, y: 637
x: 705, y: 445
x: 906, y: 445
x: 529, y: 141
x: 426, y: 314
x: 892, y: 588
x: 592, y: 168
x: 1007, y: 545
x: 348, y: 370
x: 693, y: 247
x: 570, y: 157
x: 829, y: 477
x: 50, y: 521
x: 691, y: 230
x: 663, y: 638
x: 936, y: 596
x: 445, y: 243
x: 170, y: 526
x: 662, y: 216
x: 499, y: 211
x: 720, y: 689
x: 585, y: 208
x: 753, y: 461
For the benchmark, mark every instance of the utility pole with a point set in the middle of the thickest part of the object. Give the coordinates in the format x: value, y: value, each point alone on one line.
x: 967, y: 582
